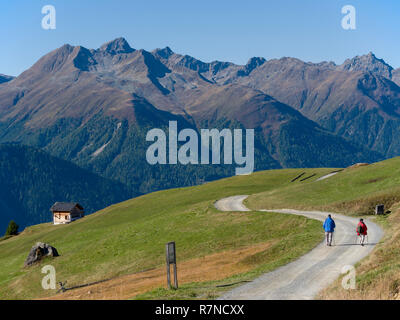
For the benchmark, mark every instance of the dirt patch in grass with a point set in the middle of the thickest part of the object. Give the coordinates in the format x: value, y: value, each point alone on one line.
x: 212, y: 267
x: 375, y: 180
x: 357, y: 165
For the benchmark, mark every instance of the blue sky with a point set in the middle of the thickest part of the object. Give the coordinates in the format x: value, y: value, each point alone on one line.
x: 209, y: 30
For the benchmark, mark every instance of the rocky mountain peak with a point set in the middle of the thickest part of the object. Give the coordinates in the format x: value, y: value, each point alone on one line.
x: 164, y: 53
x: 369, y: 63
x: 116, y: 46
x: 255, y: 61
x: 252, y: 64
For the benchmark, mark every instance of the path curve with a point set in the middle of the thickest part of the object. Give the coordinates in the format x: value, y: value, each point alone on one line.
x: 304, y: 278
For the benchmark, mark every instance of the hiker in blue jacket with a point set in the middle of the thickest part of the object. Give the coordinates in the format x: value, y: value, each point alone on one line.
x: 329, y: 226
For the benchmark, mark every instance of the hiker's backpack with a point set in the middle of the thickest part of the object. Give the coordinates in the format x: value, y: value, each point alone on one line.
x: 360, y: 229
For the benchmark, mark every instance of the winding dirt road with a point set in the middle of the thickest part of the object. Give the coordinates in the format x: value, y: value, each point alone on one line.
x: 304, y: 278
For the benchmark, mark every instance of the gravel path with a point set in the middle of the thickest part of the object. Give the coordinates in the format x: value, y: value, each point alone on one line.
x: 305, y: 277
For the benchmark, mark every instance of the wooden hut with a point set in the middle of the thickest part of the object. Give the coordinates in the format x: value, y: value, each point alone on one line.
x: 66, y: 212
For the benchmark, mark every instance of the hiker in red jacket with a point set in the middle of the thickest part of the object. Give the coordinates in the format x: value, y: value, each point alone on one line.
x: 362, y: 230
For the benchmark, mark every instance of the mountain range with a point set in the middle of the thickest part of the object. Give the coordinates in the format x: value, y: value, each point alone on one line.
x: 93, y: 107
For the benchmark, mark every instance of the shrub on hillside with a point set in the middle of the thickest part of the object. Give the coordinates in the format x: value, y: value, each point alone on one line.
x: 12, y: 229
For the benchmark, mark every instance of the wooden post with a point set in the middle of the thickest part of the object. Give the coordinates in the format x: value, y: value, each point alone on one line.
x: 171, y: 259
x: 168, y: 267
x: 175, y: 277
x: 380, y: 209
x: 168, y: 276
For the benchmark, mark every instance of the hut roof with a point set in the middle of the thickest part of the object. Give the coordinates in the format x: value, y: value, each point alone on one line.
x: 65, y: 206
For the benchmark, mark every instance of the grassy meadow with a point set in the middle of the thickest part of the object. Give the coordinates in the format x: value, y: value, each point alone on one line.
x: 215, y: 250
x: 353, y: 191
x: 130, y: 237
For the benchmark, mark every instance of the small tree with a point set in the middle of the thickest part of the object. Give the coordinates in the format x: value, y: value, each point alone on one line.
x: 12, y: 228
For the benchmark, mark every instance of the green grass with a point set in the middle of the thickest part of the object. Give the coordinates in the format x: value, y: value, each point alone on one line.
x: 293, y: 239
x: 5, y: 237
x: 131, y: 236
x: 353, y: 191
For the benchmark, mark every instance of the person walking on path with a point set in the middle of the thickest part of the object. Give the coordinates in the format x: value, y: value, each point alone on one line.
x: 329, y: 227
x: 362, y: 231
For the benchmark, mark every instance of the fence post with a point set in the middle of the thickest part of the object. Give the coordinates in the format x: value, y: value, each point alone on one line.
x: 171, y: 259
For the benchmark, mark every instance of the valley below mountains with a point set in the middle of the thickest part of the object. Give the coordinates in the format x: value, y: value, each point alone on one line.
x: 91, y: 109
